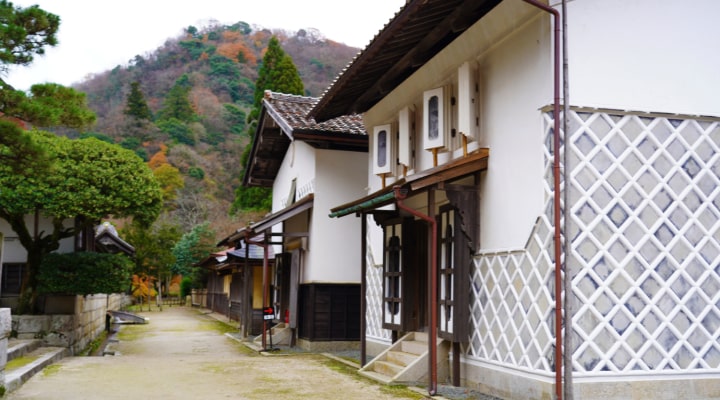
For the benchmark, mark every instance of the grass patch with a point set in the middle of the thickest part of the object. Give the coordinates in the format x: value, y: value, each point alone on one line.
x: 399, y: 391
x: 132, y: 332
x: 51, y: 369
x: 19, y: 362
x: 94, y: 345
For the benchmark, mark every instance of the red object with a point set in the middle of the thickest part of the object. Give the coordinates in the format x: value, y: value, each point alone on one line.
x: 287, y: 316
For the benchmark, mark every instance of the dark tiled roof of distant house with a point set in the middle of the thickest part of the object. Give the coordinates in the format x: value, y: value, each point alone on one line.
x: 294, y: 110
x: 283, y: 118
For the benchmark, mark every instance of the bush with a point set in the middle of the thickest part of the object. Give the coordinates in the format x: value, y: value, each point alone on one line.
x: 84, y: 273
x: 185, y: 287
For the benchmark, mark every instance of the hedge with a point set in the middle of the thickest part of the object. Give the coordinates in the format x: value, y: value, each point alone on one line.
x: 84, y: 273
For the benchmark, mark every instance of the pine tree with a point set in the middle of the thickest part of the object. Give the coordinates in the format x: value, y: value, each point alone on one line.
x: 135, y: 104
x: 279, y: 74
x: 177, y: 102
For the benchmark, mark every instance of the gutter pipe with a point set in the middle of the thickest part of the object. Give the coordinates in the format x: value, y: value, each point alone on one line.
x: 556, y: 197
x: 363, y: 206
x: 400, y: 195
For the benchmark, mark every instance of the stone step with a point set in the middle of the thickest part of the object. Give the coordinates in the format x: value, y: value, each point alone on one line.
x: 401, y: 358
x: 19, y: 371
x: 413, y: 347
x: 387, y: 368
x: 20, y: 347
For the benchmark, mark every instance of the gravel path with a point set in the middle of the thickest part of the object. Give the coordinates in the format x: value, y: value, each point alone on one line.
x: 182, y: 354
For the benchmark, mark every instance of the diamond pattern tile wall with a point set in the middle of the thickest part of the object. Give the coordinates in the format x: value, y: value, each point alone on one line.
x: 374, y: 285
x: 645, y: 250
x: 644, y: 226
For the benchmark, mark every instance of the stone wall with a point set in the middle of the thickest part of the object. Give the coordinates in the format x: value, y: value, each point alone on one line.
x: 74, y: 330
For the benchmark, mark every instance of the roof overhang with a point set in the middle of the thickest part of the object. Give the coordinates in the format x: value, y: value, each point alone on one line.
x: 271, y: 220
x: 473, y: 162
x: 417, y: 33
x: 113, y: 244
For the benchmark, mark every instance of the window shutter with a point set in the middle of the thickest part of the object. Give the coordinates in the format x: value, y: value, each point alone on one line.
x: 468, y: 101
x: 406, y: 134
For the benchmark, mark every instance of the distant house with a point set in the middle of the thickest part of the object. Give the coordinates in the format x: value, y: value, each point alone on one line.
x: 491, y: 211
x: 313, y: 283
x: 102, y: 239
x: 234, y: 286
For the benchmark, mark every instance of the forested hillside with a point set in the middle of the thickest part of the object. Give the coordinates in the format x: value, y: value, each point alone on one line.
x: 198, y: 90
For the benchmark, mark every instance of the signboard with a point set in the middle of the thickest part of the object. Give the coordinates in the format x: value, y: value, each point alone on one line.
x: 268, y: 313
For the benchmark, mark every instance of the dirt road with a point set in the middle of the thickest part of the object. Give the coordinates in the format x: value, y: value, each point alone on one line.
x: 183, y: 354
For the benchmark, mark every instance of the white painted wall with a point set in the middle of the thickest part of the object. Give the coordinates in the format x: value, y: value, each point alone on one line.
x: 333, y: 253
x: 14, y: 252
x: 299, y: 164
x: 645, y: 55
x: 513, y: 47
x: 335, y: 242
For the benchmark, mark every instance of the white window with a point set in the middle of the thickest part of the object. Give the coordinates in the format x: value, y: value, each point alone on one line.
x: 382, y: 154
x: 434, y: 119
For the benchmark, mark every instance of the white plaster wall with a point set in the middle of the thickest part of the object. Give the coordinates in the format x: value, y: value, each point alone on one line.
x: 645, y: 55
x: 14, y: 252
x: 513, y: 48
x: 334, y: 254
x: 299, y: 163
x: 516, y: 83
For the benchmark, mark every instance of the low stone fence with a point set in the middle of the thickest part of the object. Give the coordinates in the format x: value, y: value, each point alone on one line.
x: 69, y: 321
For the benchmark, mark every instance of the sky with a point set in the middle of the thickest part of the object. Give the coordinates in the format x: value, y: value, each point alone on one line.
x: 97, y: 35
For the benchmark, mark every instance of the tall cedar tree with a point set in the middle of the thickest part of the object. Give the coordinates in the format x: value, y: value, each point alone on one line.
x: 177, y: 102
x: 135, y: 104
x: 279, y: 74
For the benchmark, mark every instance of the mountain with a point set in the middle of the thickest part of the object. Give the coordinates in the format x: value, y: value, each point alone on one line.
x: 216, y: 66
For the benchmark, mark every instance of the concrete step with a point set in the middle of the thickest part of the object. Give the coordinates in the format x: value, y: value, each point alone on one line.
x: 24, y: 367
x: 401, y: 358
x: 20, y: 347
x: 413, y: 347
x: 387, y: 368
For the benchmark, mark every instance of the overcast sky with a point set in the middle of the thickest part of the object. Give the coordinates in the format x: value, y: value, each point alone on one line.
x: 97, y: 35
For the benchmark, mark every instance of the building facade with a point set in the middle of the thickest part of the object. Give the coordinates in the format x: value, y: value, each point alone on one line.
x: 602, y: 207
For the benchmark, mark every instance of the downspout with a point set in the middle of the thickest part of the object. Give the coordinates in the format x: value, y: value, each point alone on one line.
x: 265, y: 279
x: 363, y: 290
x: 556, y: 197
x: 432, y: 337
x: 569, y: 305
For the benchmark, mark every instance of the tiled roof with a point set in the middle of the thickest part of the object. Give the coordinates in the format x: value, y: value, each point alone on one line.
x: 417, y: 33
x: 293, y: 110
x: 283, y: 118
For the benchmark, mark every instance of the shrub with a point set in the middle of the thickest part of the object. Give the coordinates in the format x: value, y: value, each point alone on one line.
x: 84, y: 273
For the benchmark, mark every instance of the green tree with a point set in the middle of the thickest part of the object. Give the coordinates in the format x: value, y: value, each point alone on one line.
x: 153, y: 248
x: 170, y: 181
x: 86, y: 178
x: 177, y: 102
x: 135, y: 105
x: 18, y: 153
x: 279, y: 74
x: 25, y: 32
x: 192, y: 248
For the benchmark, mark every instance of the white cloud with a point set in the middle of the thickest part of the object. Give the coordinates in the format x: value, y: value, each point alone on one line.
x: 98, y: 35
